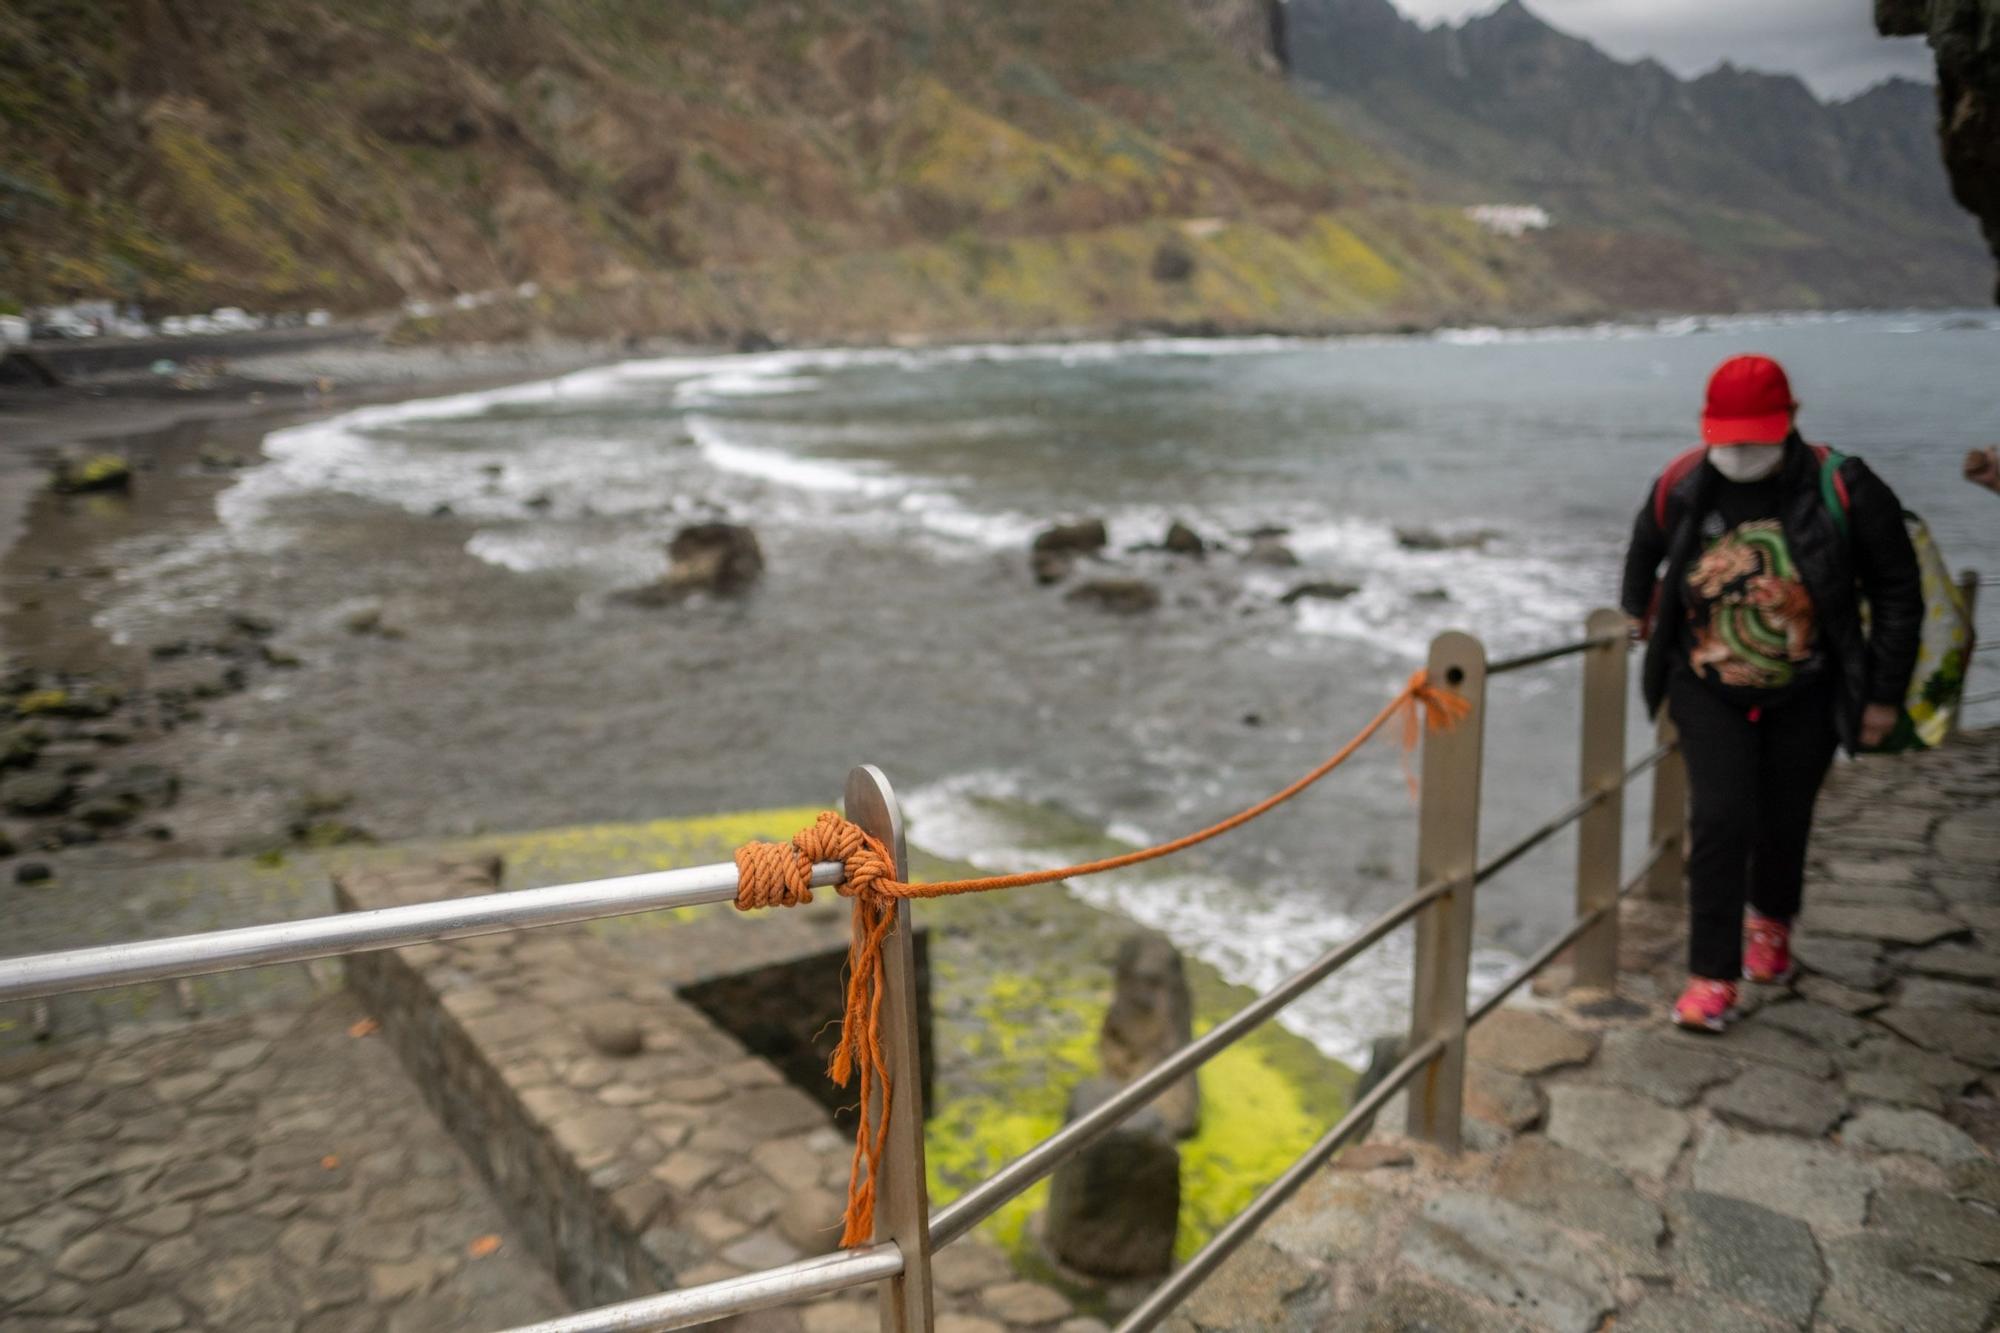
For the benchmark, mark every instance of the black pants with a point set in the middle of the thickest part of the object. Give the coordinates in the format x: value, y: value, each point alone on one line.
x: 1751, y: 787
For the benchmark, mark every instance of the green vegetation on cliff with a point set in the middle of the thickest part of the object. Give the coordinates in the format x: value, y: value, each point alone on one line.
x: 705, y: 167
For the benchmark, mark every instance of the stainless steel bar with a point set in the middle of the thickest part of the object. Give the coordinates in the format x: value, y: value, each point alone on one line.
x: 1541, y: 655
x: 34, y: 975
x: 1169, y: 1294
x: 982, y: 1200
x: 1568, y: 815
x: 735, y: 1295
x: 1543, y: 956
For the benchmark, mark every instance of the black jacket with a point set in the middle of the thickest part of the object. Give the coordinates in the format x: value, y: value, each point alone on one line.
x: 1874, y: 562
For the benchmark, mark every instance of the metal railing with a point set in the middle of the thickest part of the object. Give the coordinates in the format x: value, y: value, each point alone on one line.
x: 898, y: 1261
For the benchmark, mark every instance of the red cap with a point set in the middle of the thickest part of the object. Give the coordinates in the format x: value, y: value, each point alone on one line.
x: 1749, y: 402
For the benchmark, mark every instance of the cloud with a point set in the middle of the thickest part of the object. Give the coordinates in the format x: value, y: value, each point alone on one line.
x: 1831, y: 44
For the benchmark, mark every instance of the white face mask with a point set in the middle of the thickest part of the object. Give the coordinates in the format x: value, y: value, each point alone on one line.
x: 1747, y: 462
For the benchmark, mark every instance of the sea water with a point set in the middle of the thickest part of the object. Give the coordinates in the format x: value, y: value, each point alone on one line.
x: 895, y: 493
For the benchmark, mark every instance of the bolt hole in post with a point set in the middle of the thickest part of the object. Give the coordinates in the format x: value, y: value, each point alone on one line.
x: 902, y: 1198
x: 1447, y: 853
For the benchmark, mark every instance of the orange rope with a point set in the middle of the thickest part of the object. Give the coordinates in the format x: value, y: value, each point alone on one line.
x: 777, y: 874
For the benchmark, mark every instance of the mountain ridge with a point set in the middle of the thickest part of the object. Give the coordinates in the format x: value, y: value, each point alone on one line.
x: 1754, y: 190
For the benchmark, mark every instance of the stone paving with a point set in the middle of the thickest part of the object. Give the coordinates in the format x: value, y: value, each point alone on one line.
x: 1828, y: 1164
x: 250, y: 1174
x: 638, y: 1146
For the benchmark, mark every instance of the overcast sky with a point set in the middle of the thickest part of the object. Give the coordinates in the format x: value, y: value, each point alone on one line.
x: 1831, y: 44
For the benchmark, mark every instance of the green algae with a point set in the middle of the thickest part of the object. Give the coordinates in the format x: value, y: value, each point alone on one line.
x: 1020, y: 983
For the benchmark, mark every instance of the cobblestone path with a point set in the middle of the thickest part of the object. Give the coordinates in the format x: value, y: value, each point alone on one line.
x: 256, y: 1174
x: 1828, y: 1164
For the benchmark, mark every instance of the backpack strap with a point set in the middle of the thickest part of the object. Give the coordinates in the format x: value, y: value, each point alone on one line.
x: 1833, y: 486
x: 1675, y: 473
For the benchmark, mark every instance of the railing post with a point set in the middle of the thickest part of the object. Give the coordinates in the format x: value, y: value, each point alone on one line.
x: 1669, y: 822
x: 1447, y: 852
x: 1968, y: 592
x: 1594, y: 958
x: 902, y: 1199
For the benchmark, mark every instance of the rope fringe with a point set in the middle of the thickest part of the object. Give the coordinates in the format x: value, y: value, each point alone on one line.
x: 779, y: 874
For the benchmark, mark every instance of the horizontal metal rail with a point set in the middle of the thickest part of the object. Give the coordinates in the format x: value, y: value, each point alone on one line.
x: 35, y: 975
x: 799, y: 1281
x: 1545, y: 955
x: 1170, y: 1293
x: 1568, y: 815
x: 1541, y: 655
x: 989, y: 1196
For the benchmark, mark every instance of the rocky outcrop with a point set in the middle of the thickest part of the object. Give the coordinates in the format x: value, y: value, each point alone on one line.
x: 722, y: 559
x: 1114, y: 1207
x: 1252, y: 29
x: 1965, y: 34
x: 1124, y: 596
x: 1151, y: 1017
x: 1054, y: 551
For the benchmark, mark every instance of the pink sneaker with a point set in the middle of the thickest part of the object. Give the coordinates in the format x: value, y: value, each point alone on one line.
x: 1706, y: 1005
x: 1767, y: 949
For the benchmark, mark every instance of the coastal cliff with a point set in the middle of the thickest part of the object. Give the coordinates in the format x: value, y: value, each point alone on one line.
x: 1965, y: 34
x: 863, y: 170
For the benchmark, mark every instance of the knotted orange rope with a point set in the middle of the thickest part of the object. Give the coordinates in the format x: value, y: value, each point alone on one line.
x: 777, y: 874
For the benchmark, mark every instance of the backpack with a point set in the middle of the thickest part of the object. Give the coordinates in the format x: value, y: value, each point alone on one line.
x: 1931, y: 706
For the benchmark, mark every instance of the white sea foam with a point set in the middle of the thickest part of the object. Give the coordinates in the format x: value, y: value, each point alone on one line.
x: 1254, y: 939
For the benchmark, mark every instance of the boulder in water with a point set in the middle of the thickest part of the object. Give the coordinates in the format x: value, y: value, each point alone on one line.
x: 1184, y: 540
x: 1123, y: 596
x: 1430, y: 539
x: 1114, y: 1207
x: 1054, y: 551
x: 98, y: 472
x: 1151, y: 1016
x: 1270, y: 550
x: 1320, y: 590
x: 719, y: 558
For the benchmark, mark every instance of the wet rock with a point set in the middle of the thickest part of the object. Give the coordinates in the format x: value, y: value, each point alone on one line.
x: 1122, y: 596
x: 1322, y: 590
x: 1114, y: 1207
x: 36, y: 794
x: 1151, y: 1016
x: 755, y: 340
x: 92, y: 473
x: 1431, y: 595
x: 719, y: 558
x: 277, y: 657
x: 1746, y: 1254
x: 1184, y: 540
x: 252, y: 624
x: 1054, y: 551
x: 1271, y: 551
x: 20, y: 746
x: 79, y: 701
x: 32, y: 872
x: 369, y: 618
x: 1430, y: 539
x: 143, y: 787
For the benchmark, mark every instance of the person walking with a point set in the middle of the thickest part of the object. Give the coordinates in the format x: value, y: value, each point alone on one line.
x: 1749, y: 564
